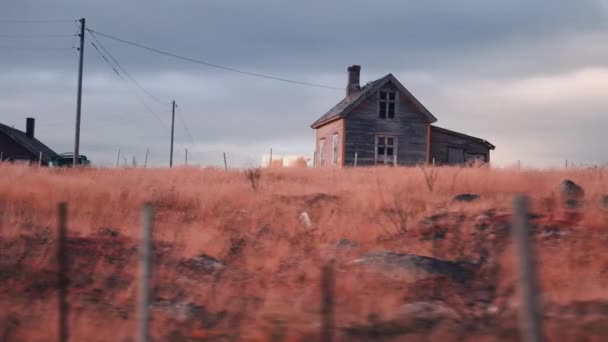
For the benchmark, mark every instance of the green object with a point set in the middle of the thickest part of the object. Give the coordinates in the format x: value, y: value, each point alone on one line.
x: 67, y: 160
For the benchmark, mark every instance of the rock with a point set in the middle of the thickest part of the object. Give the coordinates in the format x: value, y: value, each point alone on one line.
x: 204, y: 264
x: 605, y: 201
x: 346, y: 243
x: 428, y: 311
x: 466, y: 198
x: 305, y: 219
x: 570, y: 190
x: 399, y: 265
x: 572, y: 203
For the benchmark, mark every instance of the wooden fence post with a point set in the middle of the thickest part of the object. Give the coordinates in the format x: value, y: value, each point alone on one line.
x: 327, y: 302
x: 118, y: 159
x: 40, y: 159
x: 225, y: 162
x: 356, y: 157
x: 146, y: 160
x: 145, y: 262
x: 314, y: 159
x: 270, y: 161
x: 530, y: 309
x: 62, y: 270
x: 433, y: 161
x: 186, y: 162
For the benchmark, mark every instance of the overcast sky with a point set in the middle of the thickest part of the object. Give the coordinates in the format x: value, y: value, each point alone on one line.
x: 529, y: 76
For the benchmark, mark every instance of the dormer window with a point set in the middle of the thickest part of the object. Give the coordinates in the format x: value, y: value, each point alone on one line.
x: 387, y: 104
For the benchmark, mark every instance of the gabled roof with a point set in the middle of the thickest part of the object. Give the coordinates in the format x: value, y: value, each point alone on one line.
x: 348, y: 104
x: 33, y: 145
x: 464, y: 136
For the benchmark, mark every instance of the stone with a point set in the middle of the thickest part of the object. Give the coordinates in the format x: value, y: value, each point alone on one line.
x: 570, y: 190
x: 346, y: 243
x: 410, y: 265
x: 466, y: 198
x: 428, y: 311
x: 204, y: 264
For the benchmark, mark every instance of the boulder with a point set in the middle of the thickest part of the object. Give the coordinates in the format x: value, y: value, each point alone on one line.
x: 570, y: 190
x: 466, y: 198
x: 428, y: 311
x: 346, y: 243
x: 203, y: 264
x: 418, y: 267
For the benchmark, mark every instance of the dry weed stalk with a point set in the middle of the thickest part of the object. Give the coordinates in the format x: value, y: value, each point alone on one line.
x: 429, y: 176
x: 254, y: 174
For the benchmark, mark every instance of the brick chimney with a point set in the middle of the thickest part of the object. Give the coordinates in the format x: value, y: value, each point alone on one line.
x: 353, y: 87
x: 30, y: 124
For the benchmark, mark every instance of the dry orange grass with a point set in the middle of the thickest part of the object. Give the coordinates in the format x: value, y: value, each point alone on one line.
x: 273, y: 259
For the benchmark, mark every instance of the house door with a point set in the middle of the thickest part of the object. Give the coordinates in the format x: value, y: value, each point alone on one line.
x: 455, y: 155
x: 386, y: 150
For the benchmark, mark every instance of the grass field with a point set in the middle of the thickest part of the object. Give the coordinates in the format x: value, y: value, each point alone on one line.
x: 241, y: 261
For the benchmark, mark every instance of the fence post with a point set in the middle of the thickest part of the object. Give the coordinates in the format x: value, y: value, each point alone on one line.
x: 270, y: 160
x: 433, y: 161
x: 186, y: 157
x: 225, y: 162
x: 356, y: 157
x: 327, y: 302
x: 145, y: 256
x: 118, y: 159
x: 314, y: 159
x: 40, y: 159
x: 146, y: 160
x: 518, y: 165
x: 62, y: 270
x: 566, y: 163
x: 530, y: 309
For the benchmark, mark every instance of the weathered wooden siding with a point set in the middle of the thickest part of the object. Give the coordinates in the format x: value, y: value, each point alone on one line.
x: 442, y: 141
x: 326, y: 132
x: 363, y: 124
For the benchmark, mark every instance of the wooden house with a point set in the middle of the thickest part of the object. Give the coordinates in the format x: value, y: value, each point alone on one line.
x: 382, y: 123
x: 19, y: 146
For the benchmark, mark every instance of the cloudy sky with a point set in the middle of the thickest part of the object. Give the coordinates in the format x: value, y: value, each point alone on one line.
x: 530, y: 76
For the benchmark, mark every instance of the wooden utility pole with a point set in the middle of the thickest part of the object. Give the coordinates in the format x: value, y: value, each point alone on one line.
x: 79, y: 99
x: 172, y: 131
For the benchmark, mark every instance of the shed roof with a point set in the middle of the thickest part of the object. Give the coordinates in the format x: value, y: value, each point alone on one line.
x: 33, y: 145
x: 345, y: 106
x: 462, y: 135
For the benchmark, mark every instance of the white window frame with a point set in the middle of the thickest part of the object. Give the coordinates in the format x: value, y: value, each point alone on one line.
x: 322, y: 152
x: 382, y: 160
x: 334, y: 148
x: 384, y: 103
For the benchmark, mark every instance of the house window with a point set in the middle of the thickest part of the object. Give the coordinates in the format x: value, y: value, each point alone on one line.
x: 334, y: 140
x: 386, y: 149
x: 387, y: 104
x: 322, y: 152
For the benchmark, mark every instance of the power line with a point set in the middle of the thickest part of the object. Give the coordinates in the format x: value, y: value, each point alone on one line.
x: 217, y: 66
x: 126, y: 73
x: 185, y: 127
x: 138, y: 96
x: 34, y: 36
x: 28, y: 48
x: 34, y: 21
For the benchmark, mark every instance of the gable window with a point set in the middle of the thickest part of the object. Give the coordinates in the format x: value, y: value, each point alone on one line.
x: 322, y: 152
x: 386, y: 150
x: 334, y: 139
x: 387, y: 104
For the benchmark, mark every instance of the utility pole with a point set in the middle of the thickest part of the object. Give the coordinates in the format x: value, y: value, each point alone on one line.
x: 172, y: 130
x: 79, y: 100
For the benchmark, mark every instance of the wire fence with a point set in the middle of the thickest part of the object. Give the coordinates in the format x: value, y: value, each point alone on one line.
x: 529, y: 316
